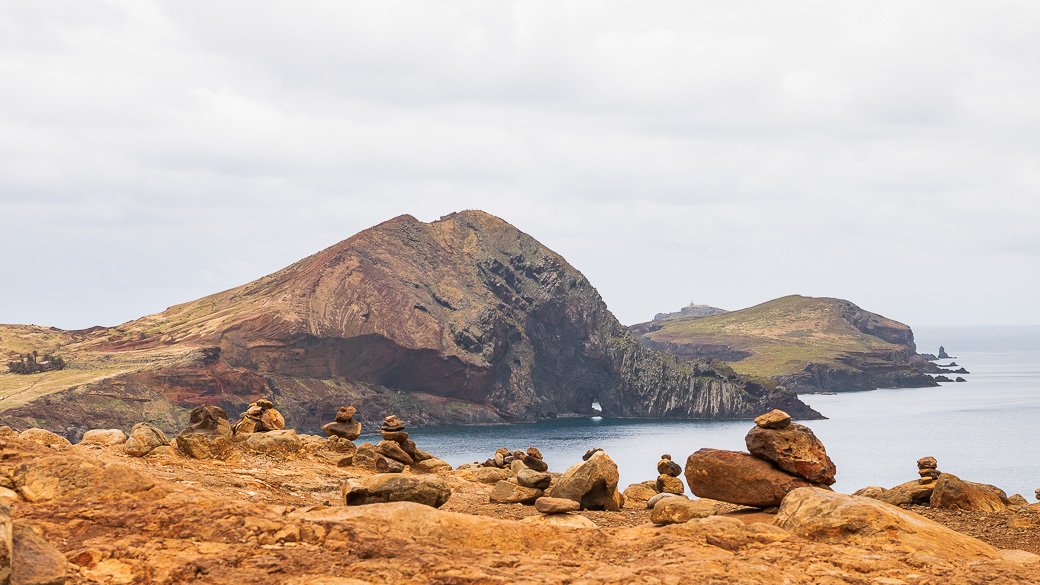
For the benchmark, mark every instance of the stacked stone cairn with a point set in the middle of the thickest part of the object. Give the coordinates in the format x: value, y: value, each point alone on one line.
x: 260, y: 417
x: 667, y: 482
x: 530, y: 476
x: 939, y: 489
x: 782, y: 456
x: 396, y: 452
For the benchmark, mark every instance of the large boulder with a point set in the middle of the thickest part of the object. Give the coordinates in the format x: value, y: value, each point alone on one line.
x: 143, y: 439
x: 45, y: 438
x: 208, y: 435
x: 953, y: 492
x: 793, y: 448
x: 383, y: 488
x: 103, y: 437
x: 556, y: 505
x: 738, y: 478
x: 592, y: 483
x: 825, y: 516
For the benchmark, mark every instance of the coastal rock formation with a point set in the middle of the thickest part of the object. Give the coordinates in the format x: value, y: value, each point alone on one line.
x: 208, y: 435
x: 783, y: 456
x: 802, y: 343
x: 943, y: 355
x: 739, y: 478
x: 383, y: 488
x: 465, y: 319
x: 592, y: 483
x: 793, y: 448
x: 118, y: 519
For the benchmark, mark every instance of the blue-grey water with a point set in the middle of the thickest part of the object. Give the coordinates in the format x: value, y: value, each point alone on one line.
x: 986, y: 429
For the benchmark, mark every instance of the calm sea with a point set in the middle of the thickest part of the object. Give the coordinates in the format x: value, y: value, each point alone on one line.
x: 987, y: 429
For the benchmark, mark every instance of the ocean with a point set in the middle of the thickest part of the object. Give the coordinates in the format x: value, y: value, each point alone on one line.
x: 986, y: 429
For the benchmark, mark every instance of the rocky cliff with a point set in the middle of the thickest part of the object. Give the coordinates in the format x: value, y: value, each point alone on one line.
x: 804, y: 343
x: 464, y: 319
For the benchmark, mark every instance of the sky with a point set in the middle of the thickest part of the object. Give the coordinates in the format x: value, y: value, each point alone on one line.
x: 719, y: 152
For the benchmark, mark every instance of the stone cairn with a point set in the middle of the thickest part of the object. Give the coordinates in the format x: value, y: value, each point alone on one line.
x: 396, y: 451
x: 927, y: 468
x: 668, y: 482
x: 341, y: 435
x: 504, y: 458
x: 260, y: 417
x: 530, y: 476
x: 782, y: 456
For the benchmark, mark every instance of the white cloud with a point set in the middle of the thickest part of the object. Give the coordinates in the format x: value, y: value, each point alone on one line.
x: 886, y: 152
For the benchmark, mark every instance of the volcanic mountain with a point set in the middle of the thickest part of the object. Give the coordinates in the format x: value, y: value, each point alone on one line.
x: 463, y: 320
x: 806, y: 344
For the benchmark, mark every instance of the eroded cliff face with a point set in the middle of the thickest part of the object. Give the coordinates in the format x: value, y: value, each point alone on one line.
x: 465, y: 319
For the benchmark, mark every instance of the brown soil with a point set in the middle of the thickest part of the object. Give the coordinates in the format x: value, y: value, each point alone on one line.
x: 258, y: 519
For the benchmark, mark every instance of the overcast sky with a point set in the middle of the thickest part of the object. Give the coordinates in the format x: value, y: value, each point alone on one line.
x: 719, y: 152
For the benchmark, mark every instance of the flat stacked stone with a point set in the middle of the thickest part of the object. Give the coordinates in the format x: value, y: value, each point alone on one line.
x: 260, y: 417
x: 344, y: 427
x: 668, y: 481
x: 399, y: 451
x: 927, y: 468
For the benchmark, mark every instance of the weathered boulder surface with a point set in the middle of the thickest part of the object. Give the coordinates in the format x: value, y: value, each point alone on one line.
x: 143, y: 439
x: 738, y: 478
x: 669, y: 485
x: 793, y: 448
x: 953, y: 492
x: 653, y: 501
x: 279, y: 442
x: 533, y: 479
x: 825, y: 516
x: 560, y: 520
x: 556, y: 505
x: 641, y: 492
x: 482, y: 474
x: 383, y: 488
x: 208, y: 435
x: 904, y: 494
x: 45, y: 438
x: 507, y: 492
x: 103, y: 437
x: 35, y: 561
x: 591, y: 483
x: 679, y: 510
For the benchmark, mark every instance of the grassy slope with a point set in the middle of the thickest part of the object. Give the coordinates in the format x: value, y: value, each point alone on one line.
x: 85, y: 363
x: 783, y: 335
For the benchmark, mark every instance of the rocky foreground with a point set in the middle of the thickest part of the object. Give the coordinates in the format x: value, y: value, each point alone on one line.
x: 271, y: 506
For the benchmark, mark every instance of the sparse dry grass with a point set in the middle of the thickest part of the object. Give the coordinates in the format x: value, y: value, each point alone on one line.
x: 783, y: 335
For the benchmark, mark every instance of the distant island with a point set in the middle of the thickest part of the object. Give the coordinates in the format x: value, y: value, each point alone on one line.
x: 806, y: 344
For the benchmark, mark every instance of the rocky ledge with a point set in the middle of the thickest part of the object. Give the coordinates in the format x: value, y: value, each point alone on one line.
x: 100, y: 511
